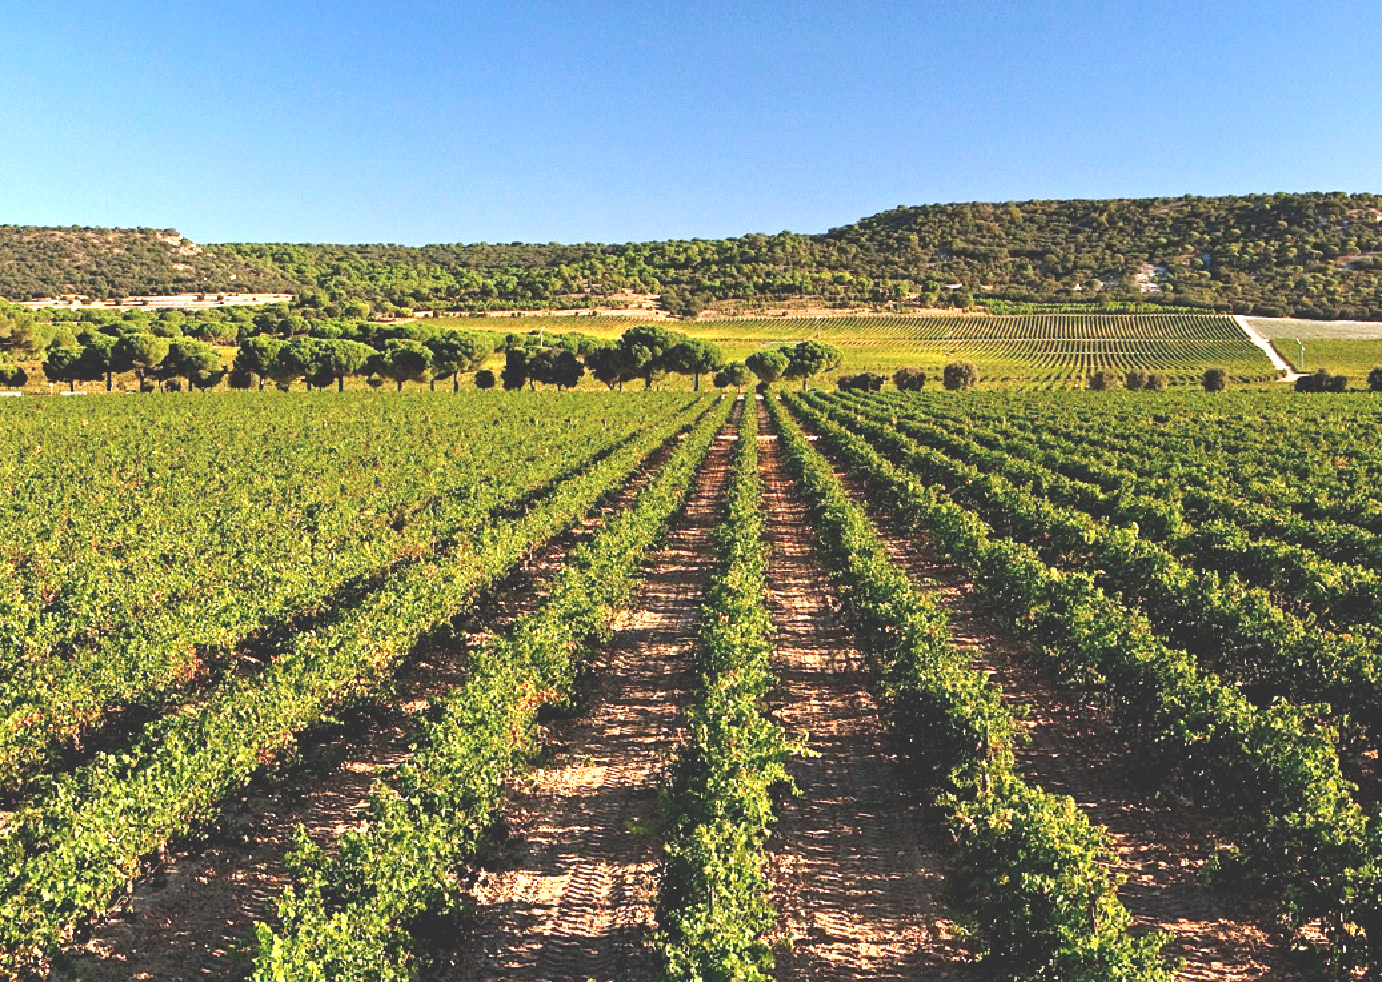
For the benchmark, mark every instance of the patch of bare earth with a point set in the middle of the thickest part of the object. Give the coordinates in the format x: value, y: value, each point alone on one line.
x: 855, y: 880
x: 1161, y: 843
x: 194, y: 915
x: 571, y: 893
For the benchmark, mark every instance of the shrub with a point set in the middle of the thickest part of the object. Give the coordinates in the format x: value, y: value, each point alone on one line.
x: 1156, y: 382
x: 1103, y: 381
x: 913, y: 379
x: 960, y: 376
x: 1321, y: 381
x: 1215, y: 380
x: 1134, y: 381
x: 1375, y: 380
x: 864, y: 381
x: 484, y: 379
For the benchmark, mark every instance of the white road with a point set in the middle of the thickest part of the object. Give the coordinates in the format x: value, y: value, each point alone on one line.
x: 1266, y: 346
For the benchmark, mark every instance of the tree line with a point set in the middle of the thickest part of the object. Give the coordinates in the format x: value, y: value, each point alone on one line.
x: 410, y: 353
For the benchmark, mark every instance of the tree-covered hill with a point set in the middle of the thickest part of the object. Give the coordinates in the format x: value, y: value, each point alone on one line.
x: 104, y: 263
x: 1311, y: 255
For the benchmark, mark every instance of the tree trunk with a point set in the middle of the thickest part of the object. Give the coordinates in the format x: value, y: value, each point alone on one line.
x: 455, y: 381
x: 340, y: 383
x: 71, y: 385
x: 398, y: 382
x: 432, y: 385
x: 696, y: 386
x: 110, y: 381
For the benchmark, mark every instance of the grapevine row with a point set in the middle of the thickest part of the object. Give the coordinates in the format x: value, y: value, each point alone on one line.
x: 347, y: 914
x: 1247, y: 636
x: 52, y: 701
x: 715, y: 905
x: 1269, y: 776
x: 1032, y: 873
x: 65, y: 857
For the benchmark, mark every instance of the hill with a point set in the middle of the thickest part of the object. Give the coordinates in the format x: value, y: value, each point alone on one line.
x: 1316, y: 255
x: 104, y: 263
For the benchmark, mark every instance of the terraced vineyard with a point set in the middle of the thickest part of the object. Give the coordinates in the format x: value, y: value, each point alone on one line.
x: 654, y: 686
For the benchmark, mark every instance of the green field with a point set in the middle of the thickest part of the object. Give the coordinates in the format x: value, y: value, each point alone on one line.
x: 1352, y: 358
x: 1024, y: 351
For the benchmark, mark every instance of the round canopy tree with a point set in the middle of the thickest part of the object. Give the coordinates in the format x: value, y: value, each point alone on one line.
x: 769, y: 365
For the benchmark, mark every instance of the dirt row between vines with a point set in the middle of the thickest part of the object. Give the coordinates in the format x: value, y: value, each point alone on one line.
x: 1162, y: 844
x: 193, y: 916
x: 570, y: 893
x: 856, y: 876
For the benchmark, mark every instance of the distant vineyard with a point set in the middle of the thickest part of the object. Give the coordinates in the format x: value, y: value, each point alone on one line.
x: 1037, y: 350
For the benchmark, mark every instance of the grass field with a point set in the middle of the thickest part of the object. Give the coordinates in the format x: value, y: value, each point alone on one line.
x: 1352, y: 358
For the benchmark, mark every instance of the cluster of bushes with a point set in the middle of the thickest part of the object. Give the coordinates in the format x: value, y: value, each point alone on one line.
x: 863, y: 382
x: 1320, y: 380
x: 1104, y: 381
x: 13, y: 377
x: 909, y: 379
x: 958, y: 376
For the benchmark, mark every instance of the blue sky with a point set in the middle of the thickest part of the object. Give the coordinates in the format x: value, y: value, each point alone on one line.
x: 413, y: 122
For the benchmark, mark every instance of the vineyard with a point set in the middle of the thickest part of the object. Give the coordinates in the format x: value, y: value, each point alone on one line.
x: 669, y: 686
x: 1030, y: 351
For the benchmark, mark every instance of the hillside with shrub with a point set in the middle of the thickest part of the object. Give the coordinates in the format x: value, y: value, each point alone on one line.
x: 1316, y: 255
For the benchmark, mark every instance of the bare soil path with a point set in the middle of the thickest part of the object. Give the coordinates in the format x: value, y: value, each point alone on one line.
x: 571, y: 893
x: 856, y: 880
x: 1162, y: 844
x: 193, y: 916
x: 1268, y: 349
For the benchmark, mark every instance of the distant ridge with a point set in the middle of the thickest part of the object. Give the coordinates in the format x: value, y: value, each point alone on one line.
x: 1306, y: 255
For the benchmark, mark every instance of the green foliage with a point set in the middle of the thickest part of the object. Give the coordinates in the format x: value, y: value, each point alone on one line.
x: 769, y: 365
x: 909, y: 379
x: 736, y: 374
x: 960, y: 376
x: 1321, y: 380
x: 1215, y: 380
x: 863, y: 382
x: 1311, y: 255
x: 695, y: 358
x: 13, y: 376
x: 807, y: 359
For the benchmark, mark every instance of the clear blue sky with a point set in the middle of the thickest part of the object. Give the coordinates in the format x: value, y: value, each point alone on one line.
x: 597, y: 120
